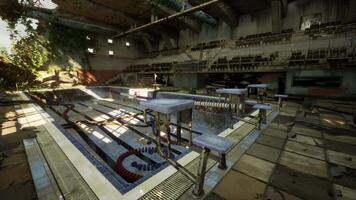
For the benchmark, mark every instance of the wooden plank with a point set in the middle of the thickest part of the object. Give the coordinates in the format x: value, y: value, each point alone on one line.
x: 306, y: 150
x: 304, y: 164
x: 255, y: 167
x: 343, y: 159
x: 265, y: 152
x: 343, y: 175
x: 239, y: 185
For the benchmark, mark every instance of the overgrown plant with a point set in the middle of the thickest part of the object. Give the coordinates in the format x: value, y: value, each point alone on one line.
x: 49, y: 43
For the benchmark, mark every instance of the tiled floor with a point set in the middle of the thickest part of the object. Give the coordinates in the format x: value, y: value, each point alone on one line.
x: 15, y: 177
x: 16, y: 181
x: 315, y: 160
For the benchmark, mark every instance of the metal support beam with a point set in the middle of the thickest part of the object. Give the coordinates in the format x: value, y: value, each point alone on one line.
x: 72, y: 21
x: 109, y: 10
x: 222, y: 11
x: 202, y: 16
x: 174, y: 16
x: 193, y: 25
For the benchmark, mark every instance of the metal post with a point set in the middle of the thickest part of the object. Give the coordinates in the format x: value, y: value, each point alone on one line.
x: 179, y: 127
x: 243, y: 105
x: 158, y: 131
x: 280, y: 103
x: 168, y: 130
x: 230, y: 101
x: 198, y: 189
x: 238, y: 106
x: 222, y: 163
x: 190, y: 133
x: 259, y: 120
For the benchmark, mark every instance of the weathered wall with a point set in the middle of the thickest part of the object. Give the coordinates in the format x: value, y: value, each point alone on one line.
x: 347, y: 88
x: 208, y: 33
x: 189, y: 81
x: 102, y: 66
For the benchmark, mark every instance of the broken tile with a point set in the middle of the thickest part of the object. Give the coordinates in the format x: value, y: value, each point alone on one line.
x: 302, y: 185
x: 343, y: 159
x: 344, y: 193
x: 276, y: 194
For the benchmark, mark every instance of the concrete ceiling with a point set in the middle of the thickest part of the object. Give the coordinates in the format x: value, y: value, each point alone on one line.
x: 124, y: 14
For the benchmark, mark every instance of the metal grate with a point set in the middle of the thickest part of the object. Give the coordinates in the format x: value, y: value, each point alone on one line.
x: 176, y: 185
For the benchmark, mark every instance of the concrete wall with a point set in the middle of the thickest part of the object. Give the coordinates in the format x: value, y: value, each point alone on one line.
x: 208, y: 33
x: 102, y: 66
x: 189, y: 81
x: 347, y: 88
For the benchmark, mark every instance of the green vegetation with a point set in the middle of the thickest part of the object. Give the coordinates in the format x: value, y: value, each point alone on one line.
x: 46, y: 45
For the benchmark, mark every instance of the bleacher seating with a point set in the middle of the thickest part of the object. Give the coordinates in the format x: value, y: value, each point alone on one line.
x: 209, y: 45
x: 264, y: 38
x: 324, y: 57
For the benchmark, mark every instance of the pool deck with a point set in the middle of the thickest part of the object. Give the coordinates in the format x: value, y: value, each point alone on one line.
x: 315, y: 159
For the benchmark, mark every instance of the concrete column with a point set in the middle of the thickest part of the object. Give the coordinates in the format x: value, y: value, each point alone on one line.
x: 276, y: 16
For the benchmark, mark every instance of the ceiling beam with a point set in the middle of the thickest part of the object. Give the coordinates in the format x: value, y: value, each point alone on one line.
x: 168, y: 18
x: 222, y: 11
x: 191, y: 24
x: 96, y: 6
x: 69, y: 20
x: 178, y: 5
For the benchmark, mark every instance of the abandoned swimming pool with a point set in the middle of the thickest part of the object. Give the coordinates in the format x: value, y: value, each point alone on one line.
x: 107, y: 126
